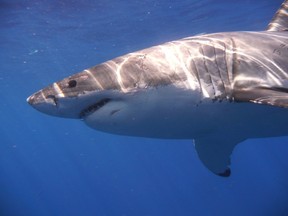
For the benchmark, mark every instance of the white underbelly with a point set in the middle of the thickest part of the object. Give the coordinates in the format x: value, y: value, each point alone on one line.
x: 169, y: 112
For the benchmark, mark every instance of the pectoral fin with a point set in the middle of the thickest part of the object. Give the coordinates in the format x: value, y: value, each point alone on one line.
x: 275, y: 96
x: 215, y: 153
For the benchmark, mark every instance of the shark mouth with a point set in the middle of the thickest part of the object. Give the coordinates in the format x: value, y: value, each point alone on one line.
x: 91, y: 109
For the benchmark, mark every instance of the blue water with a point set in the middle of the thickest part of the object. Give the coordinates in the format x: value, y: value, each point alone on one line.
x: 57, y: 167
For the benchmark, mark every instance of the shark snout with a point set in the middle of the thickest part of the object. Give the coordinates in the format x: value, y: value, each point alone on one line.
x: 36, y: 98
x: 42, y: 103
x: 41, y: 98
x: 52, y: 101
x: 45, y: 101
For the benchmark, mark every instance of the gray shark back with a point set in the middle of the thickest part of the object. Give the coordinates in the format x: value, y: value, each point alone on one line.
x: 222, y: 66
x: 218, y: 64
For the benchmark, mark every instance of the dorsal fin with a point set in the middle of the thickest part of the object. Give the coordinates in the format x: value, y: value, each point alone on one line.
x: 280, y: 19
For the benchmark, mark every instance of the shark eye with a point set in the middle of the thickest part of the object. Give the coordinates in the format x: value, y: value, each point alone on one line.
x: 72, y: 83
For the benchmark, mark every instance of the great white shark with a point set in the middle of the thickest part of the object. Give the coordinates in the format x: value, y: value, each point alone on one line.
x: 217, y: 89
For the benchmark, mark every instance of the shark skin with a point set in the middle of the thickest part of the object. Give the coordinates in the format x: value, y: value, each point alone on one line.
x: 208, y: 88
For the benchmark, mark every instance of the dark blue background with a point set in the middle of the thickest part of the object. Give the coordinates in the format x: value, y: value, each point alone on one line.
x: 53, y: 166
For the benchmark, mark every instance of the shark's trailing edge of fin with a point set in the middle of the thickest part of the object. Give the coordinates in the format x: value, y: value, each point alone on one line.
x: 280, y: 19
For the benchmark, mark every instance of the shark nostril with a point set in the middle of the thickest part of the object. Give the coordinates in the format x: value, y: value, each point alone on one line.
x: 53, y: 98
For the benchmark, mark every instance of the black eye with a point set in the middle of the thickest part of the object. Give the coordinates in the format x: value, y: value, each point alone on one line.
x: 72, y: 83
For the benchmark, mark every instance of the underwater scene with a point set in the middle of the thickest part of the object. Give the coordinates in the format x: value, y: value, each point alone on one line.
x: 148, y: 133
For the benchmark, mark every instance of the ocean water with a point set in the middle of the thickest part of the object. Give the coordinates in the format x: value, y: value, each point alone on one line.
x: 56, y: 167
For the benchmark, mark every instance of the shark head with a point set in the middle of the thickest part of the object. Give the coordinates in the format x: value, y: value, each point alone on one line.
x: 79, y: 95
x: 93, y: 95
x: 121, y: 96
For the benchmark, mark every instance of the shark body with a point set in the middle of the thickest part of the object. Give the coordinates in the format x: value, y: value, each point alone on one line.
x: 217, y: 89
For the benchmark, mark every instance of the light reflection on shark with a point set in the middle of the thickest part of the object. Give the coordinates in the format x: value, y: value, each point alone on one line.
x: 218, y: 89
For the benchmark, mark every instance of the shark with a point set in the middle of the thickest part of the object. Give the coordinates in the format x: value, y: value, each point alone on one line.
x: 216, y: 89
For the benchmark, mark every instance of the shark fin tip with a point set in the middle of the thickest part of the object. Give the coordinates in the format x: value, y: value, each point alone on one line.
x: 226, y: 173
